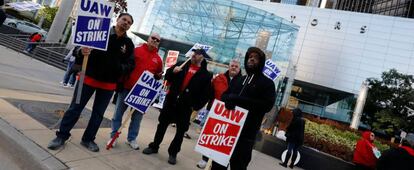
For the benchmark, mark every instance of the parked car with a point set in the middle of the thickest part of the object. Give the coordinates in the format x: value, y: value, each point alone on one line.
x: 25, y: 26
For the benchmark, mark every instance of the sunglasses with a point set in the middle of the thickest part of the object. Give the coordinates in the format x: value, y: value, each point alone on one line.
x: 155, y: 39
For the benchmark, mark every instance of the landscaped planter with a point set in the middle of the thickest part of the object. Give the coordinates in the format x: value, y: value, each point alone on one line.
x: 310, y: 158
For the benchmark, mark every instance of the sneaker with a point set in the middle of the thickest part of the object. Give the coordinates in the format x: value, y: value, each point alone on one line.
x: 201, y: 164
x: 56, y: 143
x: 61, y: 83
x: 71, y: 86
x: 172, y: 160
x: 113, y: 144
x: 91, y: 146
x: 149, y: 151
x: 66, y: 85
x: 133, y: 144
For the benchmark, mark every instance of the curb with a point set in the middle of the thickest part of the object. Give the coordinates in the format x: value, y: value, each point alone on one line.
x: 28, y: 154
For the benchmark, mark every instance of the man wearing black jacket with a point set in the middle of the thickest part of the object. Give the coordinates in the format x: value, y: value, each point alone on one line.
x: 256, y: 93
x: 103, y: 71
x: 189, y: 90
x: 400, y: 158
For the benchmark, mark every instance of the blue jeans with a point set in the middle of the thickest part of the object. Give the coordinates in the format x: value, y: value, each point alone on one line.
x: 120, y: 108
x: 70, y: 75
x: 102, y: 98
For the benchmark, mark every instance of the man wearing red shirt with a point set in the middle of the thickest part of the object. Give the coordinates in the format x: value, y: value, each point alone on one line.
x: 146, y: 58
x: 34, y: 38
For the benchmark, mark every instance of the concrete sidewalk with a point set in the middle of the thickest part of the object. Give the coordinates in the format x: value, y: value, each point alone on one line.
x: 73, y: 155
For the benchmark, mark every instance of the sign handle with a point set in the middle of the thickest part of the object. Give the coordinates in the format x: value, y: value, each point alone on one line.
x: 131, y: 111
x: 186, y: 61
x: 82, y: 78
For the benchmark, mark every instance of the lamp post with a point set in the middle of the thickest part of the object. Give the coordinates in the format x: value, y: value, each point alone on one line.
x: 356, y: 117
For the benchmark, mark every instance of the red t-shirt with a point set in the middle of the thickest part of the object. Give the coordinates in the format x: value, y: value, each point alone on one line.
x: 144, y: 60
x: 36, y: 38
x: 191, y: 71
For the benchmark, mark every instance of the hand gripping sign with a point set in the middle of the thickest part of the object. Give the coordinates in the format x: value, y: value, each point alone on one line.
x: 92, y: 30
x: 270, y: 70
x: 221, y: 132
x: 139, y: 98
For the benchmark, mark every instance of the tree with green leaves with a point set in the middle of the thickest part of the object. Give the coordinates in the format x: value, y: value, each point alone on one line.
x: 388, y: 103
x: 48, y: 13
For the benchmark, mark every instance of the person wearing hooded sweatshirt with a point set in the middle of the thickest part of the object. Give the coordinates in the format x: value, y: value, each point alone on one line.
x: 189, y: 90
x: 401, y: 158
x: 256, y: 93
x: 146, y: 58
x: 364, y: 157
x: 219, y: 84
x: 294, y: 137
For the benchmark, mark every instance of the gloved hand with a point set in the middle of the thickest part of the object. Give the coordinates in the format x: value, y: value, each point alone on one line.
x: 158, y: 76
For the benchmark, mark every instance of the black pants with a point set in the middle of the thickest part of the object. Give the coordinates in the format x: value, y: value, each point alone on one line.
x: 2, y: 16
x: 240, y: 158
x: 292, y: 150
x: 102, y: 98
x: 181, y: 116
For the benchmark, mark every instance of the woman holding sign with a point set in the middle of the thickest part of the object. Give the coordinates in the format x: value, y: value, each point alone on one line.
x: 104, y: 69
x: 146, y: 58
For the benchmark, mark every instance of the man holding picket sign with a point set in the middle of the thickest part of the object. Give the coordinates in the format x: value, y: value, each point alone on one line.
x: 256, y: 93
x: 104, y: 69
x: 190, y: 85
x: 146, y: 58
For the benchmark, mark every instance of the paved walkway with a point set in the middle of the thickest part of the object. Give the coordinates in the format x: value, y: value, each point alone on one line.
x: 27, y: 79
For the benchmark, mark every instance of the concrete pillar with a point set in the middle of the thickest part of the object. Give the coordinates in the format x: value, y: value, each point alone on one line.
x: 59, y: 22
x: 359, y: 107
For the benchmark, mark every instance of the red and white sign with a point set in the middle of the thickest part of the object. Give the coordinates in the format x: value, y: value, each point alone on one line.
x: 171, y: 58
x: 220, y: 133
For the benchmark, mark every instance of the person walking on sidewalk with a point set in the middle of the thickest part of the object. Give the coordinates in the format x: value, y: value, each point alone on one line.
x: 146, y: 58
x: 294, y: 137
x: 103, y: 71
x: 33, y: 39
x: 71, y: 70
x: 364, y: 157
x: 256, y: 93
x: 401, y: 158
x: 219, y: 84
x: 189, y: 90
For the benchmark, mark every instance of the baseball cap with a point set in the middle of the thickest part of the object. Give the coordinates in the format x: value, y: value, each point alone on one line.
x: 202, y: 52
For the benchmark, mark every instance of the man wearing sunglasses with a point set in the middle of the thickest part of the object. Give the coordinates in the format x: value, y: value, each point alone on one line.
x: 146, y: 58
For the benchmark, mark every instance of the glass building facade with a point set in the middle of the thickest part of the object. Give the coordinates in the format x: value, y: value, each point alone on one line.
x: 230, y: 27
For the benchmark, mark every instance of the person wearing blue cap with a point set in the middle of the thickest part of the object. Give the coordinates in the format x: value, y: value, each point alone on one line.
x: 189, y: 90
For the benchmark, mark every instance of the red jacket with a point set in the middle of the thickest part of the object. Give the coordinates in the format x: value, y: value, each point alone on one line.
x: 363, y: 153
x: 144, y: 60
x: 36, y: 38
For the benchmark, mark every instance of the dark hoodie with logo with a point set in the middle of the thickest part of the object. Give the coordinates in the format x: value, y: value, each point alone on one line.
x: 254, y: 92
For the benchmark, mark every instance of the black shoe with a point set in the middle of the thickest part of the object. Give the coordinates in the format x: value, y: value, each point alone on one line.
x: 291, y: 166
x: 283, y: 164
x: 92, y: 146
x: 187, y: 136
x: 56, y: 143
x: 172, y: 160
x: 149, y: 151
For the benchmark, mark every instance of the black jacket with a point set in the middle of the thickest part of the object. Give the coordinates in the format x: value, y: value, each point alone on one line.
x: 254, y: 92
x: 296, y: 129
x: 395, y: 158
x: 109, y: 66
x: 195, y: 95
x: 1, y: 2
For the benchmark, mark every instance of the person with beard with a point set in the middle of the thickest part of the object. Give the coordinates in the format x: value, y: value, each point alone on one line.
x: 256, y: 93
x: 104, y: 69
x: 189, y: 90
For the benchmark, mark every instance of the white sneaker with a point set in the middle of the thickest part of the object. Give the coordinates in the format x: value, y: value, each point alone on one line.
x: 71, y: 86
x: 133, y: 144
x: 113, y: 144
x: 201, y: 164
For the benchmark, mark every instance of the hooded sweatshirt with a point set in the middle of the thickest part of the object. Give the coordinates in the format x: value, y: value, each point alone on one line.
x: 363, y: 153
x: 254, y: 92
